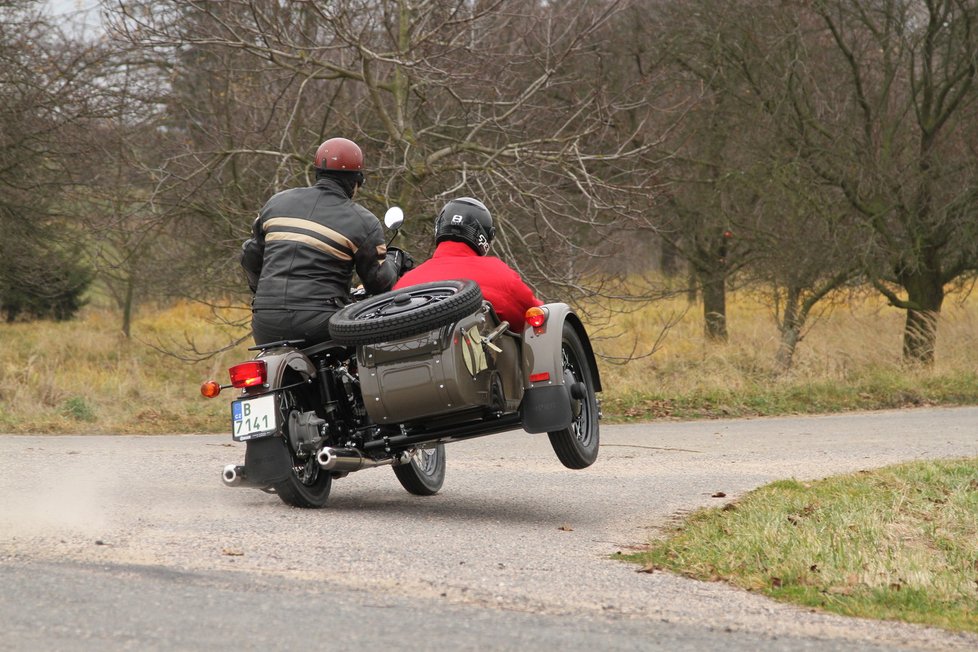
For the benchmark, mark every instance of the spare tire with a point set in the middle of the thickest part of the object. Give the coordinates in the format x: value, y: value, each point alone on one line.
x: 408, y: 311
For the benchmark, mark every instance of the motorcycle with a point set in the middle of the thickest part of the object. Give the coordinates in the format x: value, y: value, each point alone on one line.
x: 404, y: 373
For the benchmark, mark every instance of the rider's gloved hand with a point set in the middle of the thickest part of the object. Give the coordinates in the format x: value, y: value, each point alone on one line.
x: 402, y: 260
x: 359, y: 293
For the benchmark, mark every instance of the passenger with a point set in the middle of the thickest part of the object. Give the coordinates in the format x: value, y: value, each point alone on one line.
x: 464, y: 233
x: 305, y: 246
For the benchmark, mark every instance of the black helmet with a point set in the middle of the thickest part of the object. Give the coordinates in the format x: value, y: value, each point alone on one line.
x: 466, y: 220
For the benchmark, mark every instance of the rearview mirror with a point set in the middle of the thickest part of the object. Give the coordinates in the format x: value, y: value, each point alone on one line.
x: 394, y: 217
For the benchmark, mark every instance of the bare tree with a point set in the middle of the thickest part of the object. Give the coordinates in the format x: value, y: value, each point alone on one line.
x: 794, y: 234
x: 501, y: 99
x: 709, y: 203
x: 877, y: 99
x: 130, y: 237
x: 870, y: 103
x: 804, y: 250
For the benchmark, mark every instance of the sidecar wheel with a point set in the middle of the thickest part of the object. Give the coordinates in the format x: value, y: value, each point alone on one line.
x: 577, y: 445
x: 425, y: 473
x: 307, y: 484
x: 401, y: 313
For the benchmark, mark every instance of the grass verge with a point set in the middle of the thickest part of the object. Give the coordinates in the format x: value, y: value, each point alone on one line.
x: 874, y: 388
x: 897, y: 543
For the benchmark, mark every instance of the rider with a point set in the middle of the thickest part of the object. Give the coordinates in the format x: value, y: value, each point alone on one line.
x: 305, y: 245
x: 464, y: 233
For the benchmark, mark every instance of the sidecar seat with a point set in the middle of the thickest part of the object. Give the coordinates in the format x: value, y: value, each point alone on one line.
x: 447, y: 371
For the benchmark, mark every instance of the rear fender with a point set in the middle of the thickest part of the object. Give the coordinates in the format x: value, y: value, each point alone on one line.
x: 267, y: 459
x: 592, y: 362
x: 546, y: 405
x: 280, y: 362
x: 283, y: 360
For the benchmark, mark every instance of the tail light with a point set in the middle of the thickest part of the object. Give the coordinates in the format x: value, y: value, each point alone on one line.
x: 535, y: 316
x: 249, y: 374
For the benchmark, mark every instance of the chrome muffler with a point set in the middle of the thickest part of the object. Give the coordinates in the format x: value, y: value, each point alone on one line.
x: 347, y: 460
x: 233, y: 475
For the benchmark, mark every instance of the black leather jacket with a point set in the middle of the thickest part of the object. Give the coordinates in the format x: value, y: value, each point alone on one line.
x: 305, y: 246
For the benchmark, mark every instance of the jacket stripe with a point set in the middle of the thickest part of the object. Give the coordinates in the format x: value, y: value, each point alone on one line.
x: 290, y: 223
x: 281, y: 236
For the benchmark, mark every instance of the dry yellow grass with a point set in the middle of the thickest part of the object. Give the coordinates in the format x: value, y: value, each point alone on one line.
x: 86, y: 377
x: 850, y: 357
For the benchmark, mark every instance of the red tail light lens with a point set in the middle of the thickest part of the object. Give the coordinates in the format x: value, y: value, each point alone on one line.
x: 535, y: 316
x: 249, y: 374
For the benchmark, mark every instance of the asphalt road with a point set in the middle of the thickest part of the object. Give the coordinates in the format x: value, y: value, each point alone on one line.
x: 133, y: 542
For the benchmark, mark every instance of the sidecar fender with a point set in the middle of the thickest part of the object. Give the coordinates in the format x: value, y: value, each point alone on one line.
x: 546, y: 405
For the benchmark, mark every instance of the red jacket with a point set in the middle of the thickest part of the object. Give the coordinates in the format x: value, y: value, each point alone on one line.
x: 501, y: 285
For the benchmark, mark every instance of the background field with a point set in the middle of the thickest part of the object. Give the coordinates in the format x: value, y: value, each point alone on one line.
x: 849, y: 358
x: 84, y: 376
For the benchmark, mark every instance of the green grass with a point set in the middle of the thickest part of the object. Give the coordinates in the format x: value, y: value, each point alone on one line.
x: 871, y: 389
x: 898, y: 543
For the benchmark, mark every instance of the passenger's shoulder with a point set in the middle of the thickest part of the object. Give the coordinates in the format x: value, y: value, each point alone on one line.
x: 498, y: 263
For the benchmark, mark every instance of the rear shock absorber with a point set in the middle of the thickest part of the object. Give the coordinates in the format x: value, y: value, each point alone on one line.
x: 326, y: 388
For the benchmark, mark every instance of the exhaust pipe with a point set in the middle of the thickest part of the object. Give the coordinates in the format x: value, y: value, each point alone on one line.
x: 347, y: 460
x: 233, y: 475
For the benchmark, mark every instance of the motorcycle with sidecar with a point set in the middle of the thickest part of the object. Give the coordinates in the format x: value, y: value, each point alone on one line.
x: 404, y: 373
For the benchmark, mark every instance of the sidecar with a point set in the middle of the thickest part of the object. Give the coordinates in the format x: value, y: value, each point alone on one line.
x: 436, y: 364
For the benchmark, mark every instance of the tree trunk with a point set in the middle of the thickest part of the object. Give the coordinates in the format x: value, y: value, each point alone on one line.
x: 127, y: 308
x: 790, y: 327
x: 668, y: 259
x: 925, y: 292
x: 715, y: 308
x: 692, y: 290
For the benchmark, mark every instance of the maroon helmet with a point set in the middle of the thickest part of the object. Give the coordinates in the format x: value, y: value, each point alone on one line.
x: 340, y: 155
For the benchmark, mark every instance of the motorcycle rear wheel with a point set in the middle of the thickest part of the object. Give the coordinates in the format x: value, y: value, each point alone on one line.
x: 424, y: 475
x: 307, y: 484
x: 577, y: 445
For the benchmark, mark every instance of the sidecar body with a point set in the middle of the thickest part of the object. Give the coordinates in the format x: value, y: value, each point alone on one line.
x: 449, y: 370
x: 473, y: 368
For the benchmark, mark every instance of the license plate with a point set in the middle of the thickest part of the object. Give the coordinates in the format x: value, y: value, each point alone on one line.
x: 253, y: 417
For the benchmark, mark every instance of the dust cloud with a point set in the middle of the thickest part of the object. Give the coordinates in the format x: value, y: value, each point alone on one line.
x: 56, y: 500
